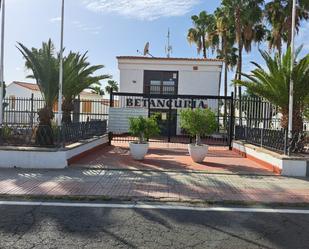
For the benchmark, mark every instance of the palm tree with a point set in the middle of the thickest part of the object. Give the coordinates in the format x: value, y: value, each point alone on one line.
x: 43, y: 63
x: 98, y: 90
x: 226, y: 31
x: 273, y: 84
x: 247, y: 16
x: 278, y: 13
x: 78, y: 75
x: 203, y: 32
x: 112, y: 84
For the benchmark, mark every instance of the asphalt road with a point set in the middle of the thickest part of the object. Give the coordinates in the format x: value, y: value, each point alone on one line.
x: 83, y: 227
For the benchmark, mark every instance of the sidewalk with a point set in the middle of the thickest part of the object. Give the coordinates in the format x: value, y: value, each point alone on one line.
x: 149, y: 185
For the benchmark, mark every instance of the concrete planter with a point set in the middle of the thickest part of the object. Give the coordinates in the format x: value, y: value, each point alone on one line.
x: 198, y: 152
x: 138, y: 151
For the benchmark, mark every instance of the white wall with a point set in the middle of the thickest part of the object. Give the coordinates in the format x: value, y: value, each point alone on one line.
x: 198, y: 82
x: 288, y: 166
x: 41, y: 158
x: 17, y: 91
x: 119, y: 118
x: 204, y: 81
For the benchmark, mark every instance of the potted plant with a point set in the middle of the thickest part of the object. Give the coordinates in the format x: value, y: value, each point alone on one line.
x: 143, y: 128
x: 197, y: 123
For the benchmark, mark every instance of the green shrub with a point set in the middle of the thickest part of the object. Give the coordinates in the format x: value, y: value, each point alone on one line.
x: 198, y: 122
x: 6, y: 132
x: 143, y: 128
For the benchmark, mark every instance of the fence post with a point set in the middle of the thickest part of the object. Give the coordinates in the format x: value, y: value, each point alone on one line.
x: 262, y: 135
x: 240, y: 107
x: 192, y: 107
x: 110, y: 138
x: 111, y: 98
x: 286, y: 142
x: 169, y: 120
x: 76, y: 110
x: 149, y: 105
x: 31, y: 110
x: 231, y: 128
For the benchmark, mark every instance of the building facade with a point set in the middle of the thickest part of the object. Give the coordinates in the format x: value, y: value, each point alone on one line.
x: 164, y: 76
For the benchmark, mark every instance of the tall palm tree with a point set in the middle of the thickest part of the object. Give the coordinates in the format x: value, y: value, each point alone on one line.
x: 227, y: 52
x: 43, y: 63
x: 273, y: 84
x: 78, y: 75
x: 112, y: 84
x: 247, y: 16
x: 202, y: 34
x: 278, y: 13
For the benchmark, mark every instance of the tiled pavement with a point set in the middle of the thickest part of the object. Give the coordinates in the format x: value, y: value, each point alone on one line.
x: 150, y: 185
x: 171, y: 157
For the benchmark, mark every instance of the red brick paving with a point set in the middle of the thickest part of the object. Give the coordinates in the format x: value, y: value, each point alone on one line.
x: 154, y: 185
x: 171, y: 157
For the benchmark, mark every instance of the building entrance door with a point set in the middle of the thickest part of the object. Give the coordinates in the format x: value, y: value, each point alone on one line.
x: 167, y: 121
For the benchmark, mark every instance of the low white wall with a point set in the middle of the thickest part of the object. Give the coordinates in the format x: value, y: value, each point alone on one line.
x: 258, y: 154
x: 41, y: 158
x: 33, y: 159
x: 119, y: 118
x: 289, y: 166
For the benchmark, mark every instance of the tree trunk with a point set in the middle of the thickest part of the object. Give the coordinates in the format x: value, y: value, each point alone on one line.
x: 297, y: 119
x: 67, y: 108
x: 197, y: 139
x: 44, y: 134
x: 204, y: 47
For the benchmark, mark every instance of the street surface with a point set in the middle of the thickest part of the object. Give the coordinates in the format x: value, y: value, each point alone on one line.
x: 40, y: 227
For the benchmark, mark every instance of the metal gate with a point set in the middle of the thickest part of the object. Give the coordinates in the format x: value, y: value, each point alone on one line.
x: 167, y: 108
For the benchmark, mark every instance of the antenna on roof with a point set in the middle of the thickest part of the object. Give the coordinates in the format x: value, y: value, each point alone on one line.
x: 146, y: 50
x: 168, y: 48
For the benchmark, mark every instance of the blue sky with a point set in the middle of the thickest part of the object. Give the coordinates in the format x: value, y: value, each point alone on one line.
x: 108, y: 28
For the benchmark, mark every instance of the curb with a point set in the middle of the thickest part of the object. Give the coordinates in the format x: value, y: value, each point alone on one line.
x: 92, y: 198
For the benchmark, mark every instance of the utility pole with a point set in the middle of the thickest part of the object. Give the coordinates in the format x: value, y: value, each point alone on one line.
x: 291, y: 93
x: 61, y: 68
x: 2, y: 4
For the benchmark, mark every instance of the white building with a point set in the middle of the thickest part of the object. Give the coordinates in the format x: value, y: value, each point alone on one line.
x: 180, y: 75
x: 25, y: 99
x: 165, y: 76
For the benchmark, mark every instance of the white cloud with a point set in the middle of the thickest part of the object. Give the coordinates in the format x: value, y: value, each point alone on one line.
x: 55, y: 19
x: 142, y: 9
x: 83, y: 27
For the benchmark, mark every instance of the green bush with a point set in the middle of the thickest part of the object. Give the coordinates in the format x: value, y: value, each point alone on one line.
x: 143, y: 128
x: 6, y: 132
x: 198, y: 122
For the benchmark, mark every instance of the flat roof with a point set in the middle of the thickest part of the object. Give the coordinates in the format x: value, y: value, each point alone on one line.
x: 168, y: 59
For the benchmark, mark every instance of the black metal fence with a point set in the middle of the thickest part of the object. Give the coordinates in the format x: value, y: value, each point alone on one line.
x: 270, y: 139
x: 50, y: 136
x: 167, y: 108
x: 258, y: 122
x: 24, y: 111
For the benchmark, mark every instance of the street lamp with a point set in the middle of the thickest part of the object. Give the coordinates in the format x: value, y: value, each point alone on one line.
x: 291, y: 94
x: 2, y: 4
x: 61, y: 68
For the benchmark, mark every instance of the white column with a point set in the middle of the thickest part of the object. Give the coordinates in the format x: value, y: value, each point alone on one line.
x: 2, y: 62
x: 61, y: 68
x: 291, y: 94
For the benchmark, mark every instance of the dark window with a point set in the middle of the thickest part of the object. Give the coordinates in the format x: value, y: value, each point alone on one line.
x: 160, y: 82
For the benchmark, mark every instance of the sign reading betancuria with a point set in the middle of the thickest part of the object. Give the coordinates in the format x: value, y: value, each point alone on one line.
x: 166, y: 103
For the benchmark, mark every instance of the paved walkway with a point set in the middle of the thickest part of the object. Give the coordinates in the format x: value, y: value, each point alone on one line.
x: 172, y: 157
x: 149, y: 185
